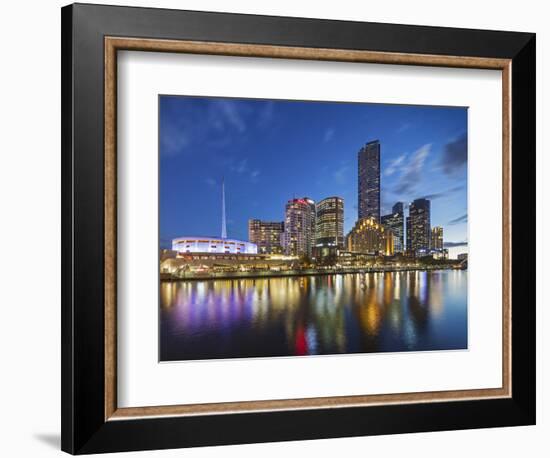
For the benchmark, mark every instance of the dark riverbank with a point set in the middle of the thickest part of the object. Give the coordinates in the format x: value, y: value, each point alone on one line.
x: 302, y: 272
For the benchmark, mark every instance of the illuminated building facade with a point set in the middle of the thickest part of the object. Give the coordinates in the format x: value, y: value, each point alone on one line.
x: 418, y: 227
x: 388, y: 242
x: 369, y: 181
x: 266, y: 235
x: 367, y: 236
x: 299, y: 227
x: 437, y: 238
x: 212, y: 245
x: 330, y: 222
x: 395, y: 222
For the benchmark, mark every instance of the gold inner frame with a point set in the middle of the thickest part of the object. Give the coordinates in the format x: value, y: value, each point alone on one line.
x: 114, y: 44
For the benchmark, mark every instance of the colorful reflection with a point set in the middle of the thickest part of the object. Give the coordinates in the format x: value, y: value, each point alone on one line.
x: 315, y: 315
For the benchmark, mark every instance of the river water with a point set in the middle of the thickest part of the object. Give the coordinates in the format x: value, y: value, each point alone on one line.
x: 313, y: 315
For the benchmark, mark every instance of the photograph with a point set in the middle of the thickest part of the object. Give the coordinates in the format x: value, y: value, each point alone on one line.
x: 277, y: 226
x: 299, y: 228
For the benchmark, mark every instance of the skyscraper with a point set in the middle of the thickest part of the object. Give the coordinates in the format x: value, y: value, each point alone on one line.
x: 299, y: 227
x: 330, y: 222
x: 368, y: 204
x: 266, y: 235
x: 437, y: 238
x: 418, y: 227
x: 394, y: 222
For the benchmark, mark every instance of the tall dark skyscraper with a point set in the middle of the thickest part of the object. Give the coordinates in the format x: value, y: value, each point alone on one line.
x: 418, y: 226
x: 369, y: 181
x: 395, y: 222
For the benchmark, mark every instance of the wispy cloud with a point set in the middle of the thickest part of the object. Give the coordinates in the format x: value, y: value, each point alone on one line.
x: 411, y: 171
x: 454, y: 244
x: 210, y: 181
x: 461, y: 219
x: 265, y: 116
x: 254, y: 176
x: 231, y: 112
x: 173, y: 140
x: 329, y: 134
x: 403, y: 127
x: 242, y: 168
x: 210, y: 123
x: 341, y: 173
x: 395, y: 165
x: 446, y: 193
x: 455, y: 155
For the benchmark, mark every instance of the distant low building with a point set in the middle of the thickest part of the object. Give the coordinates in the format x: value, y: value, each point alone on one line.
x: 167, y: 254
x: 441, y: 254
x: 211, y: 263
x: 351, y: 259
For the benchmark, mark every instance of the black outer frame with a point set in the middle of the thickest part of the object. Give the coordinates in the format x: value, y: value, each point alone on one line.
x: 84, y: 429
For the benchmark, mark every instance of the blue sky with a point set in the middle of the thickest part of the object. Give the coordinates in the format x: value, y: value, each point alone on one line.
x: 269, y: 151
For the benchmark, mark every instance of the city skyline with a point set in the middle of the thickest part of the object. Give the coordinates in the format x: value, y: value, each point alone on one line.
x: 239, y: 142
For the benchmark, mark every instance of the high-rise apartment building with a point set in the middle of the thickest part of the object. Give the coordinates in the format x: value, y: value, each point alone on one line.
x: 299, y: 227
x: 418, y: 227
x: 395, y: 222
x: 437, y: 238
x: 266, y: 235
x: 330, y: 222
x: 368, y: 204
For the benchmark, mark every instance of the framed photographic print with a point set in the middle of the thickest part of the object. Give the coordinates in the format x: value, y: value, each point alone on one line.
x: 282, y: 228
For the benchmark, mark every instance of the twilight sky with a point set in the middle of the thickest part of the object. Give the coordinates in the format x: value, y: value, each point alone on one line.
x: 269, y: 151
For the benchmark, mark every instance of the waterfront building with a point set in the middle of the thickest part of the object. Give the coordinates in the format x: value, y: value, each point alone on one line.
x: 266, y: 235
x: 440, y: 254
x: 437, y: 238
x: 209, y: 244
x: 368, y: 204
x: 418, y: 227
x: 352, y: 259
x: 299, y: 227
x: 167, y: 254
x: 395, y: 223
x: 330, y: 222
x: 367, y: 236
x: 212, y: 264
x: 202, y: 244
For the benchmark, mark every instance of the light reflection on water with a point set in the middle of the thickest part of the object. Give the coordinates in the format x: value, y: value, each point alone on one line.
x: 327, y: 314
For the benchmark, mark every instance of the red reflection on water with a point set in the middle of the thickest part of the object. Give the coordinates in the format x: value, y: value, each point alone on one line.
x: 300, y: 342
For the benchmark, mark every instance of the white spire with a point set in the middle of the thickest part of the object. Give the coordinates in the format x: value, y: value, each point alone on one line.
x: 224, y: 228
